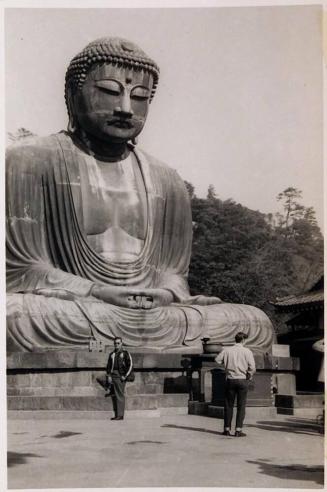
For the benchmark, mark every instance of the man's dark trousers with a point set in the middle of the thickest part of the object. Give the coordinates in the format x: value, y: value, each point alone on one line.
x: 118, y: 398
x: 235, y: 388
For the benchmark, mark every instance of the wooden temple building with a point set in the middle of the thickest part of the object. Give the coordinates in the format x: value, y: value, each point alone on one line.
x: 305, y: 322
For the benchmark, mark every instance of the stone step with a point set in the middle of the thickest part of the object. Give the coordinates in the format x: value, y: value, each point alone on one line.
x: 300, y: 401
x: 133, y: 402
x: 206, y: 409
x: 95, y: 390
x: 91, y: 414
x: 309, y: 413
x: 301, y: 405
x: 252, y: 412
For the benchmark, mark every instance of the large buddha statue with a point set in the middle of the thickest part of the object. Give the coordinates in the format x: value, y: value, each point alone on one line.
x: 99, y: 232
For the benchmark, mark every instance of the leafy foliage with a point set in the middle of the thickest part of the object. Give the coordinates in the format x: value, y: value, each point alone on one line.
x: 244, y: 256
x: 19, y: 135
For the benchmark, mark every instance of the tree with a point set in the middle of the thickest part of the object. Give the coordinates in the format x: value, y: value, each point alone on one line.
x: 211, y: 192
x: 190, y: 189
x: 19, y: 135
x: 225, y: 243
x: 302, y: 236
x: 293, y: 210
x: 244, y: 256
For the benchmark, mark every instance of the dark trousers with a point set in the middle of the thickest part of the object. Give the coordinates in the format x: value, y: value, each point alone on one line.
x: 235, y: 388
x: 118, y: 397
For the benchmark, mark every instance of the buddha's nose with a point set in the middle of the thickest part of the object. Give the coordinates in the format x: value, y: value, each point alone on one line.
x: 122, y: 114
x: 124, y: 110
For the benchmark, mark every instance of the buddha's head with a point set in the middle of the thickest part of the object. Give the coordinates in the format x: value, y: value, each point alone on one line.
x: 109, y: 86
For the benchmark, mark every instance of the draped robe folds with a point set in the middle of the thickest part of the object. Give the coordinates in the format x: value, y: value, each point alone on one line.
x: 48, y: 258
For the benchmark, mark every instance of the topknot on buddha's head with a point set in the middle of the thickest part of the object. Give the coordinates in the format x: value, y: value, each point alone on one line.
x: 117, y: 51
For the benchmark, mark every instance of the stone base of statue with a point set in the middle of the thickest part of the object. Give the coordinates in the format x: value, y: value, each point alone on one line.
x: 72, y: 380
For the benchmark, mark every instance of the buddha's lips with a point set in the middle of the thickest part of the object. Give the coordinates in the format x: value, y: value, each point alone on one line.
x: 121, y: 124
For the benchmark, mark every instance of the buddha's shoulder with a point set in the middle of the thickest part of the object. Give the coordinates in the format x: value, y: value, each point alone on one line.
x: 32, y: 153
x: 156, y: 163
x: 33, y: 144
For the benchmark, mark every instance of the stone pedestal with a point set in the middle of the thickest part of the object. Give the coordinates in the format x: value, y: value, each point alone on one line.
x: 280, y: 350
x: 69, y: 380
x: 284, y: 383
x: 260, y: 389
x: 275, y: 375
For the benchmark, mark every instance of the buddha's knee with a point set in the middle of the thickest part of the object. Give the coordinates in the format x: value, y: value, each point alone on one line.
x: 35, y: 321
x: 232, y: 314
x: 224, y: 320
x: 14, y: 314
x: 35, y: 305
x: 14, y: 306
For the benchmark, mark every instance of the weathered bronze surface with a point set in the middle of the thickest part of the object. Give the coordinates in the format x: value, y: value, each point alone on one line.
x: 99, y: 233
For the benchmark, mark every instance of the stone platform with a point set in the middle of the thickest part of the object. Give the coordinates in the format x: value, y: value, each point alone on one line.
x: 71, y: 380
x: 304, y: 405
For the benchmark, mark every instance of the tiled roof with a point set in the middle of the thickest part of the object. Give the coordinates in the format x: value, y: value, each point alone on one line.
x: 317, y: 283
x: 308, y: 298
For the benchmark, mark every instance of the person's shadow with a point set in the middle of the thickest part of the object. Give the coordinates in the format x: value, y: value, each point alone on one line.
x: 14, y: 459
x: 196, y: 429
x: 294, y: 426
x: 297, y: 472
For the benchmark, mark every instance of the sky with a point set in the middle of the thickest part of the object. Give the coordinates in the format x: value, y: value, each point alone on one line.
x: 239, y: 101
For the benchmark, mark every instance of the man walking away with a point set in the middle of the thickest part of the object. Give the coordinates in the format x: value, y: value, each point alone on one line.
x: 239, y: 365
x: 119, y: 367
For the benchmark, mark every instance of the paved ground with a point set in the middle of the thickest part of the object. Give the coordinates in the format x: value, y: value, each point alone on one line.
x: 178, y: 450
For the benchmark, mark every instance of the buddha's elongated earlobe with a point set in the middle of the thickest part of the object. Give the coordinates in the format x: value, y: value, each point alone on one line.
x: 72, y: 126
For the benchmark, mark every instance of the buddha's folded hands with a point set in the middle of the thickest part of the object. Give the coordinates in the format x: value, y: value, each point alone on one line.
x: 132, y: 298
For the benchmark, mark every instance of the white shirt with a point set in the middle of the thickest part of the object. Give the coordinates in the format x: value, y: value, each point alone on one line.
x: 238, y: 361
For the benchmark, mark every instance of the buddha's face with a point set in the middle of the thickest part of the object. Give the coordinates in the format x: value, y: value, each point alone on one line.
x: 113, y: 102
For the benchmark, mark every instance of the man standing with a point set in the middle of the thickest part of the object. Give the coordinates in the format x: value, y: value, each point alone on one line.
x: 119, y: 367
x: 239, y: 365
